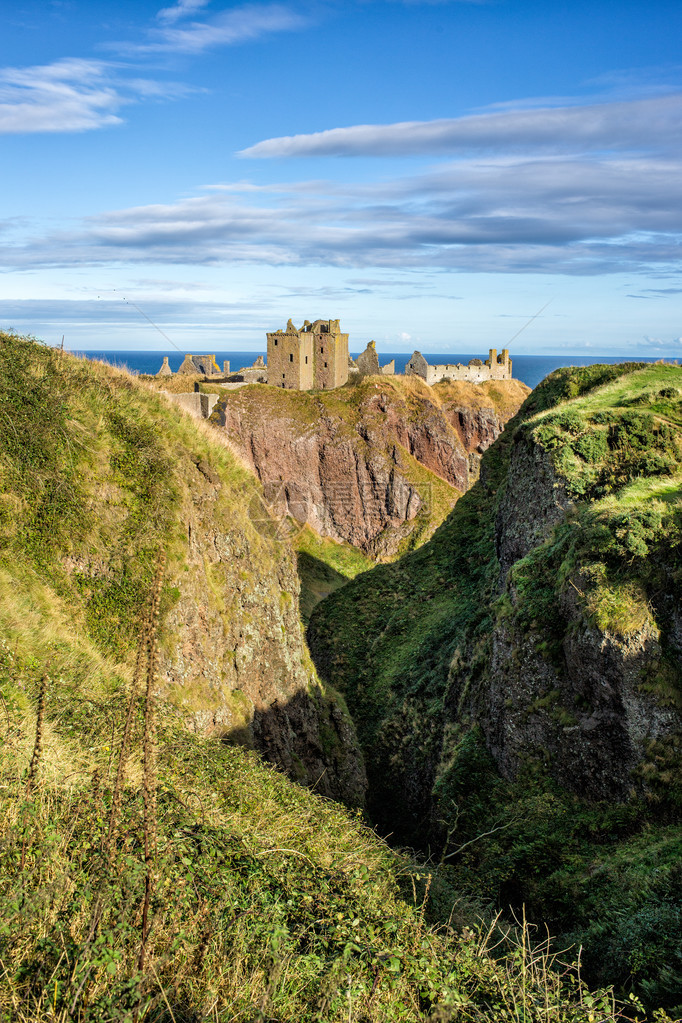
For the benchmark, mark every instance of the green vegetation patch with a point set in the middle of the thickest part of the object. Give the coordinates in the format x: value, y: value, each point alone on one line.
x: 323, y: 566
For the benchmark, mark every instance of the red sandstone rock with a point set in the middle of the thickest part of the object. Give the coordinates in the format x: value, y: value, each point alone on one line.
x: 342, y: 462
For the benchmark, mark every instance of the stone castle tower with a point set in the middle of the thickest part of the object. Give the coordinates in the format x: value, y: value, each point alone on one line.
x: 316, y: 356
x: 500, y: 365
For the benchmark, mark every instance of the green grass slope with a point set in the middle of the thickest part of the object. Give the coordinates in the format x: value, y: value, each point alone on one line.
x: 410, y: 645
x: 98, y: 475
x: 148, y: 872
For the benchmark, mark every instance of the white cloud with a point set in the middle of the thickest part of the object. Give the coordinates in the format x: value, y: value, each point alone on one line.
x: 19, y: 312
x: 236, y: 25
x: 659, y: 342
x: 67, y: 96
x: 635, y: 124
x: 182, y: 9
x: 433, y: 3
x: 76, y: 95
x: 71, y: 95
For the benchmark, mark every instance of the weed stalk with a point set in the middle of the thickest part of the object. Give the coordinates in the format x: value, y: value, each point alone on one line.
x: 149, y: 755
x: 125, y: 740
x: 38, y: 745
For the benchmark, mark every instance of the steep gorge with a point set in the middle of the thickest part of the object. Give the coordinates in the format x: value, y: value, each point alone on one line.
x: 516, y: 599
x: 517, y: 681
x: 266, y: 899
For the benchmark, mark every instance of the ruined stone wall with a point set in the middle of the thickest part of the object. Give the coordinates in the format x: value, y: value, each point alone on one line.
x: 314, y: 356
x: 368, y: 361
x: 198, y: 364
x: 341, y: 360
x: 472, y: 374
x: 197, y: 404
x: 475, y: 372
x: 499, y: 365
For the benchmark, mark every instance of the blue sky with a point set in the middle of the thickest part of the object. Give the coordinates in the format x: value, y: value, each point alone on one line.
x: 433, y: 172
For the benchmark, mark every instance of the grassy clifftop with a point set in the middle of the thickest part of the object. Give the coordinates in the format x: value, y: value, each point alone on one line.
x: 148, y: 871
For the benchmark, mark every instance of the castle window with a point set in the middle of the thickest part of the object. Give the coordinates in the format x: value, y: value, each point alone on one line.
x: 291, y: 358
x: 275, y: 340
x: 306, y: 360
x: 321, y: 351
x: 282, y: 376
x: 325, y: 365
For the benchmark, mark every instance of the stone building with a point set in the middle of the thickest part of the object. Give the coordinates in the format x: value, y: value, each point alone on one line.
x: 495, y: 367
x: 316, y: 356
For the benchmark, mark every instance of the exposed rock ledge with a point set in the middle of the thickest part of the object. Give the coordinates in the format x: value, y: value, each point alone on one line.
x: 351, y: 463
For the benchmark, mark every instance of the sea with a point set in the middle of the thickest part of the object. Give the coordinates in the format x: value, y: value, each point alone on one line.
x: 531, y: 369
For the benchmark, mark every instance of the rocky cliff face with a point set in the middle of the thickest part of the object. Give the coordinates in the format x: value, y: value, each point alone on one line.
x: 352, y: 464
x: 543, y: 614
x: 560, y: 691
x: 532, y: 501
x: 235, y: 659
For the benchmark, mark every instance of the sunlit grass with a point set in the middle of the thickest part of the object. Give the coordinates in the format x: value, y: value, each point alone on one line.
x: 666, y: 490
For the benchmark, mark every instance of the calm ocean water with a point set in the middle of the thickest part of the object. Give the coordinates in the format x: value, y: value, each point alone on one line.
x: 531, y: 369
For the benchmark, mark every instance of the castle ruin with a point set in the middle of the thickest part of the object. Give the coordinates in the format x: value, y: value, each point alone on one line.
x: 495, y: 367
x: 316, y: 356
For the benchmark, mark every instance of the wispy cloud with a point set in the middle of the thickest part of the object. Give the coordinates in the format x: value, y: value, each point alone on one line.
x: 67, y: 96
x: 663, y: 343
x: 182, y: 9
x: 70, y: 95
x: 431, y: 3
x: 578, y: 215
x: 575, y: 190
x: 654, y: 121
x: 657, y: 293
x: 226, y: 28
x: 68, y: 312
